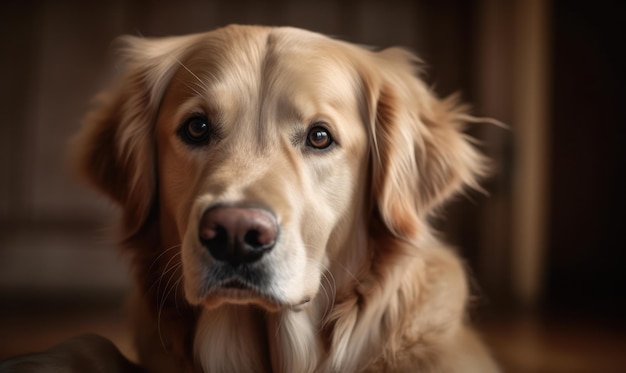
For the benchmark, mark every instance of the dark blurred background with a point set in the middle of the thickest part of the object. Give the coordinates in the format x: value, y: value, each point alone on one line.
x: 545, y: 247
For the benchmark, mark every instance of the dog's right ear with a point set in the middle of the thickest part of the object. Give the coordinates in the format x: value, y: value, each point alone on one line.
x: 114, y: 150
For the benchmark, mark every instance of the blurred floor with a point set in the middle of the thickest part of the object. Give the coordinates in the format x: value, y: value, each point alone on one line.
x: 556, y: 344
x: 521, y: 345
x: 28, y: 326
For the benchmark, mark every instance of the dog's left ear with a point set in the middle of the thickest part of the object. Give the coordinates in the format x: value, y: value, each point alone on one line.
x: 420, y: 156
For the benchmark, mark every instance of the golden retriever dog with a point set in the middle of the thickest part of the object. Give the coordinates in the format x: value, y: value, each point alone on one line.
x: 276, y: 187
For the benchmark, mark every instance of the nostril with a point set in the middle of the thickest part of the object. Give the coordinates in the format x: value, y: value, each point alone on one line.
x: 217, y: 239
x: 258, y: 239
x: 252, y: 238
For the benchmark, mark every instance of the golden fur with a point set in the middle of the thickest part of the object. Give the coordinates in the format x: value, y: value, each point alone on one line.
x: 356, y: 281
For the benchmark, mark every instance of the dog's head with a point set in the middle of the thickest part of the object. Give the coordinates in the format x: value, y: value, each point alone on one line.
x: 271, y: 155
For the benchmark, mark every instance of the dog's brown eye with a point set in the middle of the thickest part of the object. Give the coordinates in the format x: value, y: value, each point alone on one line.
x: 196, y: 131
x: 319, y: 138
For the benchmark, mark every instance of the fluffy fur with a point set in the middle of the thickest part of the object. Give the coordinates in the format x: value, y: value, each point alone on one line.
x: 356, y: 281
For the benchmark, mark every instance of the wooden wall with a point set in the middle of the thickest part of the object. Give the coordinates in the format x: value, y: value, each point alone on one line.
x: 56, y: 55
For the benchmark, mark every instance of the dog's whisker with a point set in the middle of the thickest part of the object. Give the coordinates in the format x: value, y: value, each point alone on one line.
x: 358, y: 282
x: 327, y: 305
x: 159, y: 329
x: 178, y: 282
x: 330, y: 293
x: 161, y: 254
x: 161, y: 305
x: 166, y: 292
x: 330, y: 279
x: 193, y: 89
x: 174, y: 270
x: 278, y: 326
x: 163, y: 296
x: 168, y: 269
x: 193, y: 74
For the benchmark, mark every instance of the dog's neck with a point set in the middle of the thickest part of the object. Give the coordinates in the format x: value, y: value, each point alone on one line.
x: 231, y: 338
x: 244, y: 338
x: 345, y: 336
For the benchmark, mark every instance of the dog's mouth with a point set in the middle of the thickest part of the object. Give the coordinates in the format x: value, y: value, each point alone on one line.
x: 235, y: 284
x: 241, y: 292
x: 236, y: 290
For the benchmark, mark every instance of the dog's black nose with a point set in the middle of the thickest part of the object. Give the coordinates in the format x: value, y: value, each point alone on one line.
x: 238, y: 235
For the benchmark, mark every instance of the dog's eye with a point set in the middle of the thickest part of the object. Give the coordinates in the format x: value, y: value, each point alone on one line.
x: 196, y: 131
x: 319, y: 138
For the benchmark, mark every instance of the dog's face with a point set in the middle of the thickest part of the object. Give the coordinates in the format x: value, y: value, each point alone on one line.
x: 263, y: 152
x: 259, y: 158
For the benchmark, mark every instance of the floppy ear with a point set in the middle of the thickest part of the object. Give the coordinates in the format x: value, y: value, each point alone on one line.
x: 420, y: 156
x: 114, y: 150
